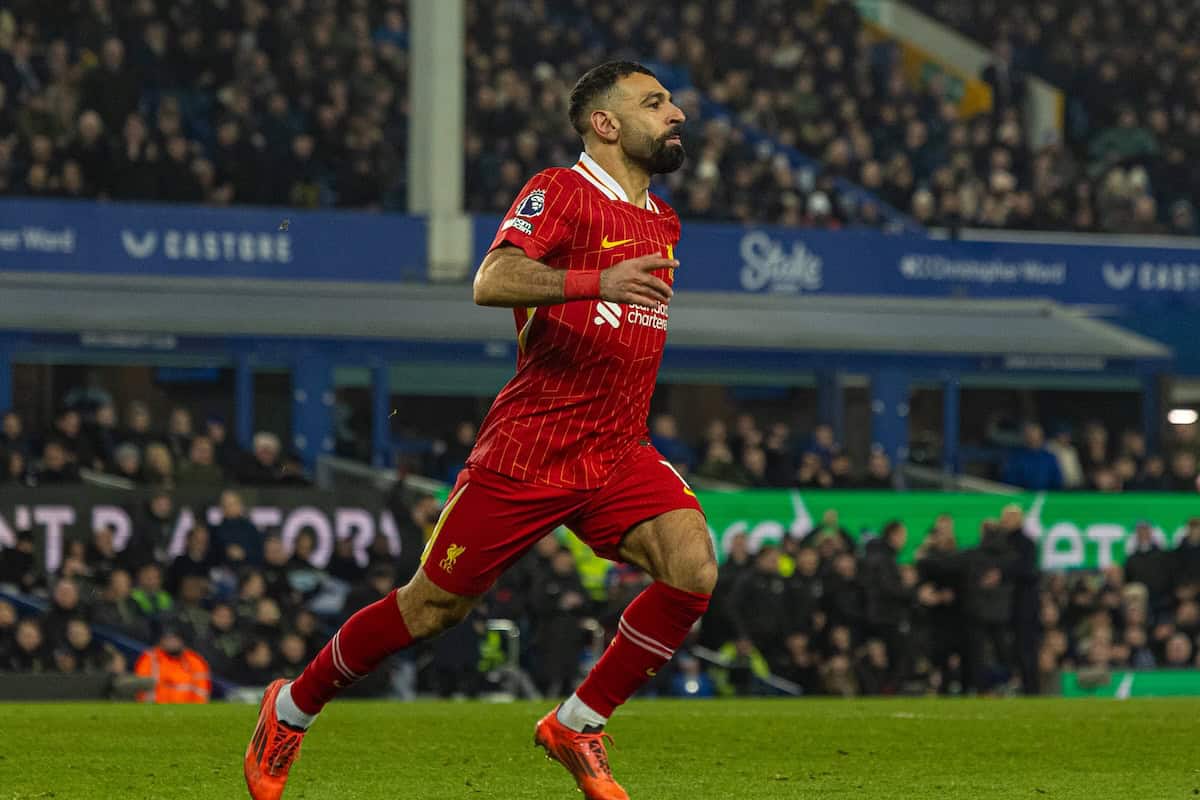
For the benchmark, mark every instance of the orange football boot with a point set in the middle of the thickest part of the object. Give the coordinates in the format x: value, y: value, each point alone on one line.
x: 583, y: 755
x: 272, y: 750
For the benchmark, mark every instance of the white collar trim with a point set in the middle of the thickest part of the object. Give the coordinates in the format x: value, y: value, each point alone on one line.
x: 596, y: 175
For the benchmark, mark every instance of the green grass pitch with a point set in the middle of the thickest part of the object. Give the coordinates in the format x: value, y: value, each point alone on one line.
x: 665, y: 750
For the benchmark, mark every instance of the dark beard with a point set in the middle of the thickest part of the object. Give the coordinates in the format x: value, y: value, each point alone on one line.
x: 666, y: 158
x: 663, y: 157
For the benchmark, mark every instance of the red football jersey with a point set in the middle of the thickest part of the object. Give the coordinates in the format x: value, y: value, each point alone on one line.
x: 585, y: 369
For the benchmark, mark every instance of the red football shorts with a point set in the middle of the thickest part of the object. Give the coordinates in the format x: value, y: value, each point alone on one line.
x: 491, y: 520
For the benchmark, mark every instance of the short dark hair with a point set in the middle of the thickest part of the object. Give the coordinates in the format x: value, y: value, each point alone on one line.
x: 595, y: 82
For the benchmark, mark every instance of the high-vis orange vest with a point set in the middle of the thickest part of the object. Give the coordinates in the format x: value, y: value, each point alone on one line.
x: 180, y: 679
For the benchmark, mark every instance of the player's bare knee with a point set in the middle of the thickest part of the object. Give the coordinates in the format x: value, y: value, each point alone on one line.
x: 694, y: 572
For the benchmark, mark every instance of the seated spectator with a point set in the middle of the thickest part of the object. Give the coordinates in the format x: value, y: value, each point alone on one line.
x: 182, y: 674
x: 159, y: 469
x: 179, y: 433
x: 118, y: 611
x: 16, y: 470
x: 85, y: 653
x: 1183, y: 472
x: 1032, y: 466
x: 29, y: 653
x: 261, y: 467
x: 17, y: 567
x: 138, y: 426
x: 153, y: 531
x: 664, y: 435
x: 127, y: 462
x: 690, y: 680
x: 68, y: 433
x: 55, y: 469
x: 292, y: 657
x: 239, y: 541
x: 223, y: 641
x: 148, y: 594
x: 719, y: 465
x: 103, y: 436
x: 226, y: 452
x: 197, y: 560
x: 65, y: 605
x: 12, y: 434
x: 200, y: 468
x: 255, y: 666
x: 102, y: 557
x: 879, y: 471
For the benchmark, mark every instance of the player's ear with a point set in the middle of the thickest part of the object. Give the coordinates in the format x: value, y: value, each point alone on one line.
x: 606, y: 125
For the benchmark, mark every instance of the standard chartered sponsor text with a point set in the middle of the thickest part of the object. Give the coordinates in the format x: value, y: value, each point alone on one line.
x: 929, y: 267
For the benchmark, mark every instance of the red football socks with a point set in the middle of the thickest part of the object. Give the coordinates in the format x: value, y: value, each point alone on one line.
x: 367, y: 638
x: 651, y: 630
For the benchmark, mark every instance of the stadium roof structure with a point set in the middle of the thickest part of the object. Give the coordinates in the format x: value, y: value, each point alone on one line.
x: 1039, y: 331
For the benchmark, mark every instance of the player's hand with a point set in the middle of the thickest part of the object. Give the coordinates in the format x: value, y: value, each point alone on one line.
x: 632, y: 281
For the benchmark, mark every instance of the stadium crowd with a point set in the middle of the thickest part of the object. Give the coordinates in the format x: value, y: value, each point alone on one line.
x: 841, y: 619
x: 304, y: 103
x: 298, y: 103
x: 831, y: 613
x: 1130, y: 74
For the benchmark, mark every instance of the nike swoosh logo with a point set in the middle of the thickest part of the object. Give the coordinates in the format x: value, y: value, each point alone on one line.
x: 605, y: 244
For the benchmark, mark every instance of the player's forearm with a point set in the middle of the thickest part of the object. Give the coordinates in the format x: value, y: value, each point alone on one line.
x: 508, y: 278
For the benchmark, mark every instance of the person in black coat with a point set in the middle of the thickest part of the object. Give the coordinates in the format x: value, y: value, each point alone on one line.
x: 987, y: 604
x: 758, y: 606
x: 939, y: 568
x: 1150, y: 566
x: 29, y: 653
x: 889, y: 599
x: 716, y: 628
x: 1026, y: 576
x: 559, y: 602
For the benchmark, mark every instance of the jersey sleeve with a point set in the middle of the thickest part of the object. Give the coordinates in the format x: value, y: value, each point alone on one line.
x: 542, y: 218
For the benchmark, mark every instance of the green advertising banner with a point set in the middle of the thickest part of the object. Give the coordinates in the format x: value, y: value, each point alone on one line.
x: 1073, y: 530
x: 1141, y: 683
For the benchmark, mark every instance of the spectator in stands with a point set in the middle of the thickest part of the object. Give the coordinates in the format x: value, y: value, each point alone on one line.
x: 239, y: 540
x: 200, y: 469
x: 261, y: 467
x: 889, y: 596
x: 221, y: 643
x: 154, y: 530
x: 127, y: 462
x: 138, y: 426
x: 12, y: 433
x: 1183, y: 472
x: 227, y: 455
x: 1150, y: 565
x: 1032, y: 466
x: 1061, y: 447
x: 181, y: 673
x: 559, y: 603
x: 988, y: 604
x: 101, y: 431
x: 255, y: 665
x: 197, y: 560
x: 65, y: 605
x: 664, y: 434
x: 68, y: 434
x: 55, y: 468
x: 30, y: 653
x: 152, y: 600
x: 879, y: 471
x: 159, y: 469
x: 118, y: 611
x: 757, y: 609
x: 102, y: 557
x: 1025, y: 574
x: 17, y: 566
x: 83, y: 651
